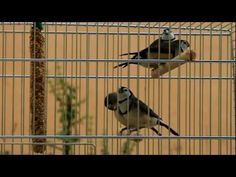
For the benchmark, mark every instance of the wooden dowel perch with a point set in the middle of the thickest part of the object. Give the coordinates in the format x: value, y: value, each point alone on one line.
x: 37, y: 88
x: 188, y: 55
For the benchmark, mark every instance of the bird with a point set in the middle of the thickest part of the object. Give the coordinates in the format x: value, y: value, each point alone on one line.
x: 111, y: 103
x: 166, y: 47
x: 128, y: 110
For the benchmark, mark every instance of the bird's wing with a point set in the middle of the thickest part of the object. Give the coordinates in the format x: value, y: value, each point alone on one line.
x: 144, y: 108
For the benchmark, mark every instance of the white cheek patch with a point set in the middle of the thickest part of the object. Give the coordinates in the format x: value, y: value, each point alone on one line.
x: 169, y: 36
x: 123, y: 106
x: 128, y: 94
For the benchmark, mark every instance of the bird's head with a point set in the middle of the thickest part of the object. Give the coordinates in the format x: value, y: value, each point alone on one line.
x: 123, y: 93
x: 168, y: 34
x: 184, y: 45
x: 111, y: 101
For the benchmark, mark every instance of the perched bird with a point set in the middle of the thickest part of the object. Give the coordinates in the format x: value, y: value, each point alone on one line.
x: 127, y: 113
x: 166, y: 47
x: 111, y: 104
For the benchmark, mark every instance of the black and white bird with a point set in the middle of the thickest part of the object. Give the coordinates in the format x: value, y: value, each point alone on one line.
x: 135, y: 114
x: 166, y: 47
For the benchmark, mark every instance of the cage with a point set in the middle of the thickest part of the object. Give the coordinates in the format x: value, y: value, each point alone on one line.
x: 197, y: 98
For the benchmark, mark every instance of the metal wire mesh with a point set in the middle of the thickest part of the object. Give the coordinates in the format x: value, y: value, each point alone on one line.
x: 197, y: 98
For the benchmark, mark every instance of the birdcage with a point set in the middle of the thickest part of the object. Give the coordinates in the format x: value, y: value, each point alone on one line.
x: 55, y: 76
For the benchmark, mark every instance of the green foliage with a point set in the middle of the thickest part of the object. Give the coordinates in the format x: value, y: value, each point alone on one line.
x: 127, y: 147
x: 105, y: 150
x: 68, y: 109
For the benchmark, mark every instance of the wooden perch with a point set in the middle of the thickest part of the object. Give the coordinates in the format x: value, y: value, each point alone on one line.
x: 188, y: 55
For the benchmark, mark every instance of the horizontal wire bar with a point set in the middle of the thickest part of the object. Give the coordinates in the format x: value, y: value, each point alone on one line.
x: 115, y: 25
x: 114, y: 77
x: 116, y: 136
x: 115, y: 33
x: 48, y: 143
x: 115, y: 60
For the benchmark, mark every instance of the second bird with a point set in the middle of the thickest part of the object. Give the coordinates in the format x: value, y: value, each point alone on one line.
x: 133, y: 113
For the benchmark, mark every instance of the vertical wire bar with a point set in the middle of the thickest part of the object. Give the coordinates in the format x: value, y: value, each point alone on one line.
x: 227, y: 94
x: 46, y: 34
x: 107, y: 81
x: 63, y: 71
x: 22, y: 90
x: 1, y: 146
x: 29, y: 119
x: 65, y: 68
x: 186, y: 104
x: 77, y: 119
x: 87, y: 83
x: 234, y: 65
x: 160, y: 86
x: 3, y: 86
x: 194, y: 100
x: 148, y: 96
x: 105, y: 91
x: 153, y: 105
x: 118, y: 56
x: 200, y: 93
x: 232, y: 73
x: 128, y: 118
x: 120, y: 147
x: 96, y: 120
x: 34, y: 76
x: 179, y: 103
x: 169, y: 99
x: 55, y: 83
x: 80, y: 73
x: 145, y: 97
x: 232, y: 69
x: 210, y: 95
x: 71, y: 81
x: 13, y: 90
x: 129, y: 47
x: 190, y: 88
x: 112, y: 117
x: 48, y: 49
x: 138, y: 81
x: 220, y: 94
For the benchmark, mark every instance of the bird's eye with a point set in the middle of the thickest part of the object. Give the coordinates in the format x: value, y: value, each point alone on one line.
x: 125, y: 90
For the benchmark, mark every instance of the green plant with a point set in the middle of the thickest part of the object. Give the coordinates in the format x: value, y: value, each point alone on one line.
x: 128, y: 147
x: 68, y: 108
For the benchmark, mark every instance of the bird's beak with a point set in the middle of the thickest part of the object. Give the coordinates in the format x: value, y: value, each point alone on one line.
x: 112, y: 107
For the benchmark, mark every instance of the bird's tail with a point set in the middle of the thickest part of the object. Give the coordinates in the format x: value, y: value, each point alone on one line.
x: 169, y: 128
x: 123, y: 65
x: 131, y: 53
